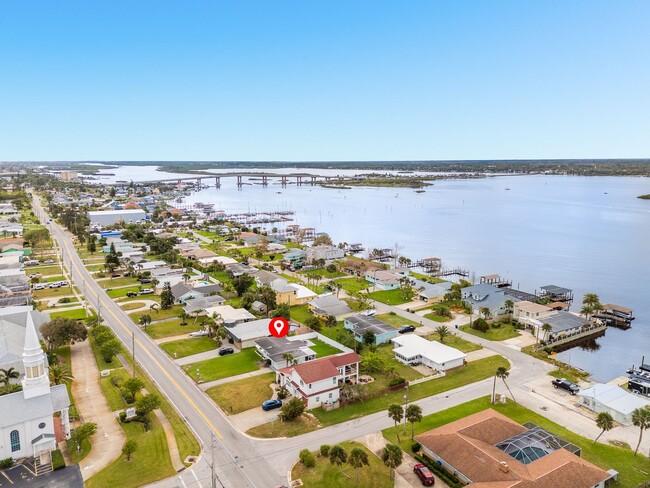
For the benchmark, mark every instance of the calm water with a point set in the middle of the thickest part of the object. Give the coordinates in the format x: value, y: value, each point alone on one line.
x: 584, y: 233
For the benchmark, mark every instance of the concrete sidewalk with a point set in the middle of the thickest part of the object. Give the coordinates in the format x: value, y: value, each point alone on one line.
x: 93, y: 407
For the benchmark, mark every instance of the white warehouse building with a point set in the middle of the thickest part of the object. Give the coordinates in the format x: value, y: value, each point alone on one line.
x: 105, y: 218
x: 412, y: 349
x: 612, y: 399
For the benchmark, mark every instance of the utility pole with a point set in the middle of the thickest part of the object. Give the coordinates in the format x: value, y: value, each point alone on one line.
x: 133, y: 351
x: 406, y: 405
x: 213, y: 477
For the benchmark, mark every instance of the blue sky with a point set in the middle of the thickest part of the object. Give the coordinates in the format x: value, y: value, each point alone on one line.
x: 349, y: 80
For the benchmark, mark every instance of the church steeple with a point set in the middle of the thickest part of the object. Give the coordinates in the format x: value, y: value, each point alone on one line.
x: 36, y: 381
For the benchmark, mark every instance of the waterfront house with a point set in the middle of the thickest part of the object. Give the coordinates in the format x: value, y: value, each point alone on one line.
x: 325, y: 305
x: 486, y: 296
x: 612, y: 399
x: 528, y: 310
x: 383, y: 279
x: 276, y: 351
x: 489, y: 449
x: 563, y: 325
x: 430, y: 292
x: 325, y: 252
x: 106, y: 218
x: 318, y: 382
x: 412, y: 349
x: 360, y: 324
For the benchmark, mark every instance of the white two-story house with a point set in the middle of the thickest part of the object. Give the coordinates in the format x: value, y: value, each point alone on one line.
x: 317, y: 382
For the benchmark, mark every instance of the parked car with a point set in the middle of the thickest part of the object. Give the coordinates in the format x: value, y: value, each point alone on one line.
x: 271, y: 404
x: 146, y: 291
x: 566, y: 385
x: 131, y: 294
x: 127, y: 274
x: 39, y: 287
x: 48, y: 261
x: 406, y: 328
x: 62, y: 283
x: 55, y: 285
x: 199, y: 333
x: 425, y: 474
x: 115, y: 275
x: 226, y: 350
x: 370, y: 312
x: 144, y: 280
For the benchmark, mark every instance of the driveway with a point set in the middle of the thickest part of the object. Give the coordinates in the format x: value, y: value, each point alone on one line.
x: 256, y: 416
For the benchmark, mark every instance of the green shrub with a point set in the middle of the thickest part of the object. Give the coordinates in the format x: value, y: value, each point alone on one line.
x: 122, y: 417
x: 116, y: 381
x: 6, y: 463
x: 64, y: 300
x: 496, y: 325
x: 441, y: 472
x: 57, y: 460
x: 324, y: 450
x: 396, y: 381
x: 127, y: 396
x: 415, y: 447
x: 307, y: 458
x: 480, y: 325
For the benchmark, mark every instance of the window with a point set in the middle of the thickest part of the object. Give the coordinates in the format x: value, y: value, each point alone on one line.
x: 14, y: 437
x: 330, y: 395
x: 317, y: 399
x: 41, y: 425
x: 334, y: 380
x: 310, y: 386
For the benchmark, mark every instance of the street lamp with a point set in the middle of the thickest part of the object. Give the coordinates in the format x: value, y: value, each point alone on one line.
x: 406, y: 404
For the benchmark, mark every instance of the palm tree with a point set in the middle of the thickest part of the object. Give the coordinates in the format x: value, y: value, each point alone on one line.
x: 413, y: 414
x: 358, y: 459
x: 510, y: 306
x: 186, y: 277
x: 59, y: 374
x: 605, y: 422
x: 154, y: 307
x: 590, y: 299
x: 183, y: 316
x: 338, y: 455
x: 547, y: 328
x: 338, y: 287
x: 485, y: 311
x: 144, y: 320
x: 442, y: 331
x: 396, y: 412
x: 586, y: 310
x: 503, y: 373
x: 640, y: 419
x: 288, y: 357
x: 215, y: 326
x: 391, y: 455
x: 6, y: 375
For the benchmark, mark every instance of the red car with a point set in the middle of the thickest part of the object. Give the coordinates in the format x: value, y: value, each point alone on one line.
x: 425, y: 475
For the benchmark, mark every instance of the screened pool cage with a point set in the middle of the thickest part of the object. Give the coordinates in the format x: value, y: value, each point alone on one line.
x: 534, y: 444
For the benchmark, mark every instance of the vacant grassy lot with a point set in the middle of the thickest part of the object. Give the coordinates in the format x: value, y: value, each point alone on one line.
x: 170, y: 328
x: 632, y: 469
x: 131, y: 305
x: 225, y: 366
x: 323, y: 273
x: 456, y: 342
x: 390, y: 297
x: 159, y: 313
x: 501, y: 334
x: 300, y: 313
x: 53, y: 279
x: 437, y: 318
x: 149, y: 463
x: 43, y: 270
x: 396, y: 320
x: 322, y: 349
x: 326, y: 475
x: 474, y: 371
x: 121, y: 292
x: 243, y: 395
x: 188, y: 347
x: 77, y: 313
x: 299, y: 426
x: 115, y: 282
x: 352, y: 285
x: 52, y: 292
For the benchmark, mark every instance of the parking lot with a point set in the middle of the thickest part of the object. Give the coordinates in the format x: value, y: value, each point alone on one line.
x: 22, y: 476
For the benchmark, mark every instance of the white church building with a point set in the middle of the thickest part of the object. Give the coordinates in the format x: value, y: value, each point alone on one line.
x: 27, y: 418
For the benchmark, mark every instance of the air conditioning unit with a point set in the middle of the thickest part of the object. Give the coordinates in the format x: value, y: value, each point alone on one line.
x: 503, y: 466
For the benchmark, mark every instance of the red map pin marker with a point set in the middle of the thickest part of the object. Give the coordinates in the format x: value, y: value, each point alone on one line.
x: 279, y: 327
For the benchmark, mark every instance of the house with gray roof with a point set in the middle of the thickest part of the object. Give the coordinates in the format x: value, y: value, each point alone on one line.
x: 431, y: 292
x: 323, y: 306
x: 200, y: 304
x: 263, y: 277
x: 275, y: 350
x: 360, y: 324
x: 486, y: 296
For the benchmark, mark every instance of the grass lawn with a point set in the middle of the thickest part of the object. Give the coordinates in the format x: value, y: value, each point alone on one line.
x: 474, y: 371
x: 243, y: 395
x: 121, y: 292
x: 326, y: 475
x: 52, y: 279
x: 633, y: 470
x: 112, y: 393
x: 300, y: 313
x: 188, y: 347
x: 149, y: 463
x: 52, y: 292
x: 390, y: 297
x: 323, y: 349
x: 225, y: 366
x: 43, y: 270
x: 501, y: 334
x: 323, y: 273
x: 171, y: 328
x: 131, y: 305
x: 84, y: 450
x: 396, y: 320
x: 94, y: 267
x: 352, y: 285
x: 456, y: 342
x: 353, y: 304
x: 158, y: 313
x: 423, y: 277
x: 299, y: 426
x: 78, y: 313
x: 437, y: 318
x: 115, y: 282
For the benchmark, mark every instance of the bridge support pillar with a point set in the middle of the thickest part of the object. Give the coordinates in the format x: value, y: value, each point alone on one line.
x: 265, y: 180
x: 298, y: 180
x: 217, y: 182
x: 239, y: 182
x: 313, y: 180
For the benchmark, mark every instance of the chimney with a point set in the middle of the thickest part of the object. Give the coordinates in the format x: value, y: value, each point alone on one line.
x: 503, y: 466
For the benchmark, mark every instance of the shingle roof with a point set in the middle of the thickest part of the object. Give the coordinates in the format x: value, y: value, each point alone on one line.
x: 321, y: 369
x: 362, y: 323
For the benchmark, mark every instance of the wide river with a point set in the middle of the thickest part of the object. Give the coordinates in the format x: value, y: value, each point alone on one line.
x: 589, y: 234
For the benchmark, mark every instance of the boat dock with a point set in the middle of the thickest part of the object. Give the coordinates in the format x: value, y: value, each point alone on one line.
x: 496, y: 280
x: 616, y: 315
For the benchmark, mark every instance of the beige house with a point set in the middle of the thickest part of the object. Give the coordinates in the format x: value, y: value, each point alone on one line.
x: 530, y: 310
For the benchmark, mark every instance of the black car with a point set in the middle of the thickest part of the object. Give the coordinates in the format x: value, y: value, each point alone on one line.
x: 131, y: 294
x: 127, y: 274
x: 145, y: 280
x: 406, y: 328
x: 226, y: 350
x: 566, y: 385
x: 116, y: 275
